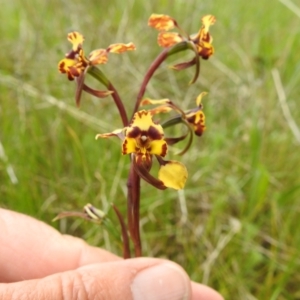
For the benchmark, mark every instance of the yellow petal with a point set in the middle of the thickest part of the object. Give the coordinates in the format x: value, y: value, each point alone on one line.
x: 207, y: 21
x: 65, y: 64
x: 98, y: 57
x: 197, y: 120
x: 143, y: 120
x: 160, y: 109
x: 199, y: 98
x: 173, y: 174
x: 71, y: 67
x: 168, y: 39
x: 148, y: 101
x: 120, y: 48
x: 161, y: 22
x: 158, y: 147
x: 76, y: 40
x: 203, y: 34
x: 129, y: 146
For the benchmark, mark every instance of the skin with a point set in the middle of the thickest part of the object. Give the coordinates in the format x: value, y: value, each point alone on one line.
x: 37, y: 262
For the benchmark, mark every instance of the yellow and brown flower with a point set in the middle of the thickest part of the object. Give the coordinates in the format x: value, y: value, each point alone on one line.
x: 196, y: 116
x: 143, y: 139
x: 202, y: 40
x: 75, y: 62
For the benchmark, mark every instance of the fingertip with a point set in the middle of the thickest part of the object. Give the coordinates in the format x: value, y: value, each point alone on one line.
x: 164, y: 281
x: 201, y: 291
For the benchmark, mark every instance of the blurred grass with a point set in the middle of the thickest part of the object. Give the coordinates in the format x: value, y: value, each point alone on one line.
x: 236, y: 226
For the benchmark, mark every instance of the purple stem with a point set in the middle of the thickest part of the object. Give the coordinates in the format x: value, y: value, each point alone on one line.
x: 153, y: 67
x: 133, y: 208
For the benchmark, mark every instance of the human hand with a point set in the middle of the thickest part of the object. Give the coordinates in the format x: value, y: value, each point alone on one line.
x: 37, y: 262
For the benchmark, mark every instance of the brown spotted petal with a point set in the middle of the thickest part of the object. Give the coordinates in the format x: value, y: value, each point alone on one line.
x: 161, y: 22
x: 76, y: 39
x: 205, y: 50
x: 68, y: 66
x: 207, y: 21
x: 197, y: 120
x: 99, y: 56
x: 168, y: 39
x: 120, y: 48
x: 203, y: 39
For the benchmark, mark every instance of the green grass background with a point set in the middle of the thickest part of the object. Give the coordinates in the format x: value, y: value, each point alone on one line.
x: 236, y: 225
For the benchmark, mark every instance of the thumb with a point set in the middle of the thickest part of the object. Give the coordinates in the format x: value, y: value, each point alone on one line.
x: 132, y: 279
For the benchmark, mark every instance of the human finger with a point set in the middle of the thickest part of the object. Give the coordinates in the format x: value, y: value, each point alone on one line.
x: 201, y: 291
x: 131, y: 279
x: 32, y: 249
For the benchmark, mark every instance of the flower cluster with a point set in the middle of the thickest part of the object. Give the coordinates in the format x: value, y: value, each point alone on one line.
x: 202, y: 40
x: 75, y: 63
x: 200, y: 43
x: 142, y: 136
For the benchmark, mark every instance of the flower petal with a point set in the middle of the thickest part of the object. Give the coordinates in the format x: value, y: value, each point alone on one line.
x: 165, y: 105
x: 205, y: 50
x: 197, y: 120
x: 69, y: 66
x: 118, y: 132
x: 98, y: 57
x: 173, y: 140
x: 144, y: 173
x: 158, y: 147
x: 120, y: 48
x: 199, y: 99
x: 147, y: 101
x: 173, y: 174
x: 160, y: 109
x: 65, y: 64
x: 143, y: 120
x: 168, y: 39
x: 184, y: 65
x: 129, y: 145
x: 96, y: 93
x: 76, y: 39
x: 161, y: 22
x: 207, y: 21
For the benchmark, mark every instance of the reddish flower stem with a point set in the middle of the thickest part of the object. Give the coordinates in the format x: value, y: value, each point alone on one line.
x: 153, y: 67
x: 96, y: 73
x: 133, y: 210
x: 119, y: 104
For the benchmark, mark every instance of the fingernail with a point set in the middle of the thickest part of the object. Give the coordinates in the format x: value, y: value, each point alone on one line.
x: 161, y: 282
